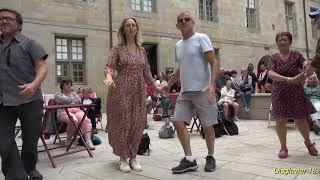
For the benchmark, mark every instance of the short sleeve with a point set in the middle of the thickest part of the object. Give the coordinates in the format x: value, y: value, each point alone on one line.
x: 36, y: 51
x: 112, y: 59
x: 272, y: 63
x: 300, y: 60
x: 205, y: 43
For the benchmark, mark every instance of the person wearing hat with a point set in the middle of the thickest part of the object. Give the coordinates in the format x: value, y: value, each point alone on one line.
x: 315, y: 61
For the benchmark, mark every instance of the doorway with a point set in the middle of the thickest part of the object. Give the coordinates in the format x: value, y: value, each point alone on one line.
x: 151, y: 50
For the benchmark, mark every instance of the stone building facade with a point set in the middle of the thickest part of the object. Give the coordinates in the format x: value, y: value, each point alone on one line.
x: 79, y: 33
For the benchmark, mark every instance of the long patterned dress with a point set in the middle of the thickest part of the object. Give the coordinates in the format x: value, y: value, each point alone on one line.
x: 126, y: 111
x: 289, y: 100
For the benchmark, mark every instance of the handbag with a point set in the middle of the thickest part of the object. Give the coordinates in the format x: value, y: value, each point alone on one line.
x: 166, y: 131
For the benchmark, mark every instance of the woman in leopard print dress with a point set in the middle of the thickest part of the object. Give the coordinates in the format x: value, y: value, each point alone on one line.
x: 127, y: 71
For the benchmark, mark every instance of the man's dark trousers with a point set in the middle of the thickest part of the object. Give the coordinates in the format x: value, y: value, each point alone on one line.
x: 15, y: 166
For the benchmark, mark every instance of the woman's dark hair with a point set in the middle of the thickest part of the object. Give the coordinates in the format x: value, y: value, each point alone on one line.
x: 228, y: 73
x: 234, y: 72
x: 63, y: 82
x: 16, y: 13
x: 287, y: 34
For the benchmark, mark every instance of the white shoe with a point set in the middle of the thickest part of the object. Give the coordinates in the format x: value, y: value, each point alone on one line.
x: 247, y: 109
x: 90, y: 145
x: 135, y: 165
x: 124, y: 166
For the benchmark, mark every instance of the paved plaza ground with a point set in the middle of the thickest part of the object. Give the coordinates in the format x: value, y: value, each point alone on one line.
x: 251, y: 155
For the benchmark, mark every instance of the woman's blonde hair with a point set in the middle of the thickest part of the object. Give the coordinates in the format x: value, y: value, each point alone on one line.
x: 122, y: 37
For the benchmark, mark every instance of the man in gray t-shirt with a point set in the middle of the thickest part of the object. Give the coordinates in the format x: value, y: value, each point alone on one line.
x: 22, y: 70
x: 197, y: 69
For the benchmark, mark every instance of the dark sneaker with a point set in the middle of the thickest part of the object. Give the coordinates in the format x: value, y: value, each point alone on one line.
x: 185, y: 166
x: 35, y: 175
x: 210, y: 164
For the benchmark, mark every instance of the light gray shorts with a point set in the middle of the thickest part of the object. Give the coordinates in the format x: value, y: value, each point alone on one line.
x: 197, y: 103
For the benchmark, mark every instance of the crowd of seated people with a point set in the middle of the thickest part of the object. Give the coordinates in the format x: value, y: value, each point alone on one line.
x: 243, y: 85
x: 156, y: 100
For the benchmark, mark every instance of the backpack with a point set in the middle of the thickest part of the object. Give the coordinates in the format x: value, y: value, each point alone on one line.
x: 219, y: 130
x: 95, y: 140
x: 166, y: 131
x: 144, y: 145
x: 231, y: 127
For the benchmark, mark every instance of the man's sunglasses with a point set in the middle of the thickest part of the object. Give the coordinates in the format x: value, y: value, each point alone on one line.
x: 183, y: 20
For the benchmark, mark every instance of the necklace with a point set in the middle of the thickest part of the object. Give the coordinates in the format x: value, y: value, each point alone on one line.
x: 133, y: 53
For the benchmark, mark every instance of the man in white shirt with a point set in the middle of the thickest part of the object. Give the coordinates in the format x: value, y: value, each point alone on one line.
x: 197, y: 72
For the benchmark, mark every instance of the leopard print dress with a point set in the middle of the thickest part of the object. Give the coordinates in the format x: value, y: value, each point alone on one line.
x: 126, y: 111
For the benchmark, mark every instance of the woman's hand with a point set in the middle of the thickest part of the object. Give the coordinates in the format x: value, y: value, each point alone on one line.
x: 158, y: 88
x: 109, y: 81
x: 299, y: 79
x: 308, y: 68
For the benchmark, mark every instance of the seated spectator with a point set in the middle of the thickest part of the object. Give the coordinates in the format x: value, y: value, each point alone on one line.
x: 254, y: 78
x: 312, y: 89
x: 67, y: 96
x: 227, y: 99
x: 264, y: 83
x: 90, y: 97
x: 221, y: 81
x: 246, y: 89
x: 235, y: 82
x: 91, y: 94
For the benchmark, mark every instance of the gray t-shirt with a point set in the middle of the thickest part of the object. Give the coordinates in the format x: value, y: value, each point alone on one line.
x: 194, y: 69
x: 17, y: 67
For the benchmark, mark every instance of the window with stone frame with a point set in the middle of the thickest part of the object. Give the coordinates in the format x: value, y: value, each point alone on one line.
x: 208, y: 10
x: 70, y: 59
x: 315, y: 30
x: 252, y: 14
x: 291, y: 19
x: 143, y: 5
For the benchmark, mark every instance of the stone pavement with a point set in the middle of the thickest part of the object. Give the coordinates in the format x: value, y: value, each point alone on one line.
x: 252, y: 155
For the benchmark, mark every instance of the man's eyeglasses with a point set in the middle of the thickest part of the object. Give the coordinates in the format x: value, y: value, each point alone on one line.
x: 7, y: 19
x: 183, y: 19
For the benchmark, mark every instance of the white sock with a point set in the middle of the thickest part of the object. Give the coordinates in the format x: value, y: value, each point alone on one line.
x: 190, y: 158
x: 123, y: 160
x: 210, y: 155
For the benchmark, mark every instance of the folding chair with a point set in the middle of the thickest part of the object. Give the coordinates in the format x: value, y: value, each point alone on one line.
x: 173, y: 100
x: 17, y: 131
x: 221, y: 118
x: 52, y: 117
x: 76, y: 134
x: 195, y: 123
